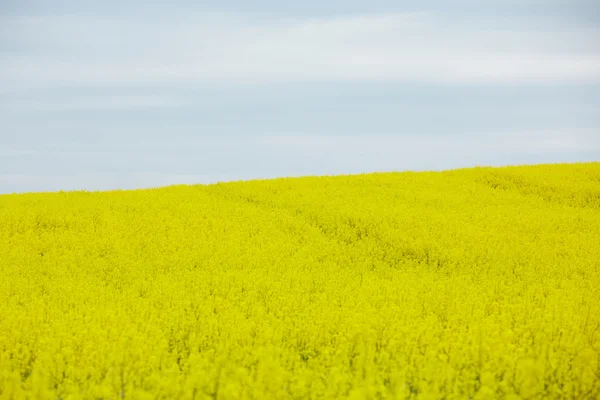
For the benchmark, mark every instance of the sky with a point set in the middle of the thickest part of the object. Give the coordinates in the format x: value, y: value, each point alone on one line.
x: 98, y: 95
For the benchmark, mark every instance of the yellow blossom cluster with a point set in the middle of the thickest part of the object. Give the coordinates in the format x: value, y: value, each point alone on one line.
x: 479, y: 283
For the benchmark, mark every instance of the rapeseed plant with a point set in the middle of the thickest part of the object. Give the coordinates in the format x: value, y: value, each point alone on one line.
x: 479, y: 283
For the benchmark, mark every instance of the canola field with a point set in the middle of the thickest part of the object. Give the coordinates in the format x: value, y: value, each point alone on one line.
x: 479, y: 283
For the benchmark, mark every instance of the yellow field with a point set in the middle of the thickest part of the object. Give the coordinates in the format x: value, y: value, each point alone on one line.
x: 479, y: 283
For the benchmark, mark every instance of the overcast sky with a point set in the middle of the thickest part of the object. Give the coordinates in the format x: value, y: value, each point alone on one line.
x: 128, y: 94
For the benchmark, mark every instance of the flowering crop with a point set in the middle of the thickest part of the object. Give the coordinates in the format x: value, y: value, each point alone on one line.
x: 479, y: 283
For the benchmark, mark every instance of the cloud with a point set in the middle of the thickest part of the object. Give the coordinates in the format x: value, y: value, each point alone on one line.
x: 100, y: 101
x: 216, y: 157
x: 521, y: 142
x: 157, y: 162
x: 220, y: 48
x: 95, y: 102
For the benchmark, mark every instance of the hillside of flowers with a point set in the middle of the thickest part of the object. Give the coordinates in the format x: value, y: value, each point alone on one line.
x: 479, y: 283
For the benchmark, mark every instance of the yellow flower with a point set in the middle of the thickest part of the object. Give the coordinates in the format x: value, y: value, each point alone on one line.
x: 476, y: 283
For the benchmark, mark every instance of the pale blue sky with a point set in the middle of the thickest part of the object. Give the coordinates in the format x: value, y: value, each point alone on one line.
x: 112, y: 94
